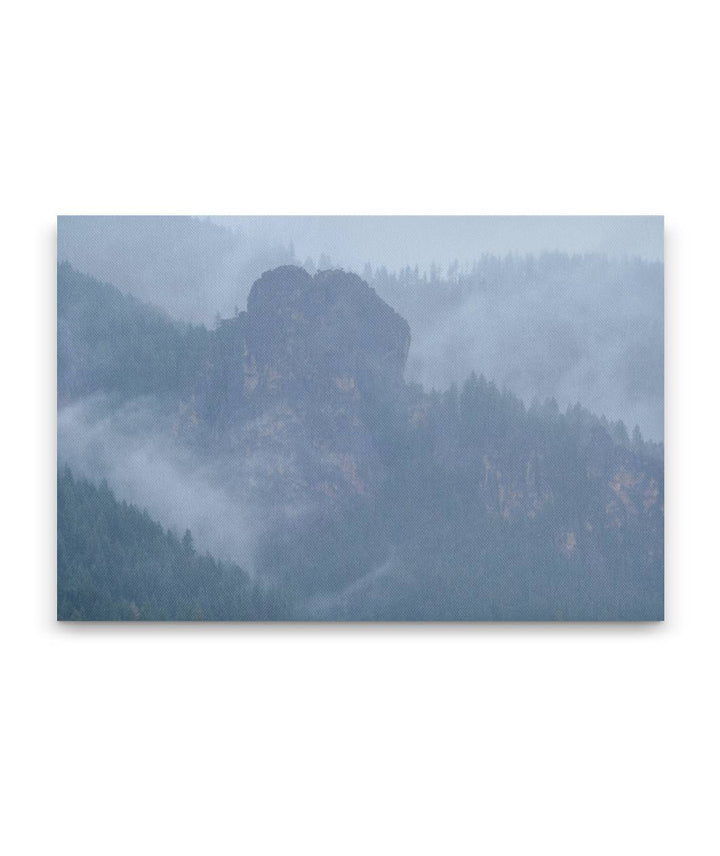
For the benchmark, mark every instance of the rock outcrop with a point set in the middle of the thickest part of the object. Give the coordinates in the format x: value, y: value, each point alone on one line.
x: 299, y: 381
x: 328, y: 329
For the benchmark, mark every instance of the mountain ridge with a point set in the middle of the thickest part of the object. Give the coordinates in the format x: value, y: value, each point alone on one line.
x: 301, y: 402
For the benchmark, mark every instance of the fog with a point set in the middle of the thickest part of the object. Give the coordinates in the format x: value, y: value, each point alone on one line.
x: 398, y: 241
x: 587, y: 328
x: 569, y: 309
x: 130, y: 445
x: 584, y: 329
x: 193, y: 268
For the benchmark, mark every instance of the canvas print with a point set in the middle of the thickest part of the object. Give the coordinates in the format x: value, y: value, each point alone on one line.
x: 360, y: 418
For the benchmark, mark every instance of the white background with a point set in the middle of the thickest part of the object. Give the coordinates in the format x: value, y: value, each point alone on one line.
x: 371, y: 739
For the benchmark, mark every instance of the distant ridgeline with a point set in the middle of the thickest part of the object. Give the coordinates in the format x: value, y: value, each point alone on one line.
x: 582, y: 328
x: 388, y: 502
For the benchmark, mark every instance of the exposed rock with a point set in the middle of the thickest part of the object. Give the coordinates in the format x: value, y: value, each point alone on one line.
x: 302, y: 375
x: 314, y: 330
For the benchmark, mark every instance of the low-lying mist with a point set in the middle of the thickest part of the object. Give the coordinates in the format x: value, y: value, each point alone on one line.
x: 129, y: 445
x: 193, y: 268
x: 582, y: 328
x: 286, y: 441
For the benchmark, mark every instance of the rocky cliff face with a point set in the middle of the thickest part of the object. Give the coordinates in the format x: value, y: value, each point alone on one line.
x: 330, y: 329
x: 301, y: 387
x: 298, y: 381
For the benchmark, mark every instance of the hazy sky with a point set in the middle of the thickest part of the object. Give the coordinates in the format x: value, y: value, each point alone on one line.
x: 397, y: 241
x: 585, y: 330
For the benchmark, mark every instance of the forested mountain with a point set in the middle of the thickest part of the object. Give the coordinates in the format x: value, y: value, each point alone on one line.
x: 374, y: 498
x: 572, y: 327
x: 114, y: 562
x: 114, y: 343
x: 190, y: 266
x: 583, y: 327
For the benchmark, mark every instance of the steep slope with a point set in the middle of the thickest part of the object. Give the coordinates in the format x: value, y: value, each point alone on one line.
x: 383, y: 500
x: 191, y: 267
x: 113, y: 343
x: 572, y: 327
x: 114, y: 562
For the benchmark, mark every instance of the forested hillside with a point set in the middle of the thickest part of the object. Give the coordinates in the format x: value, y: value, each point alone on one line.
x: 574, y: 327
x: 369, y: 497
x: 114, y: 562
x: 189, y: 266
x: 111, y: 342
x: 577, y: 328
